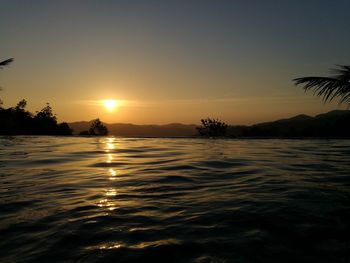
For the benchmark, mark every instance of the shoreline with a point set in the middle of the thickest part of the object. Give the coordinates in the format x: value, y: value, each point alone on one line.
x: 182, y: 137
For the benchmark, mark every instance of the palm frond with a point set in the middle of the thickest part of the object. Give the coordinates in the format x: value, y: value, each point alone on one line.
x: 342, y: 72
x: 6, y: 62
x: 329, y: 88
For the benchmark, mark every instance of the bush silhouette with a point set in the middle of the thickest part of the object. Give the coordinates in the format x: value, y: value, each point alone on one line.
x: 212, y: 128
x: 96, y: 129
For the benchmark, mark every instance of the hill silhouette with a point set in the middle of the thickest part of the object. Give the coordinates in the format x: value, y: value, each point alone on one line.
x: 332, y: 124
x: 133, y: 130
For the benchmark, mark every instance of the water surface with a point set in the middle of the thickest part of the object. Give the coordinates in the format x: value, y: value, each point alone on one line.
x: 174, y: 200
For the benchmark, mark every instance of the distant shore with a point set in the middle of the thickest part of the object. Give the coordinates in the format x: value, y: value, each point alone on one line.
x: 334, y: 124
x: 183, y: 137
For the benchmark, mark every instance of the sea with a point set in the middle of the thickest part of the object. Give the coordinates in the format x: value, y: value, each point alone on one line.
x: 110, y: 199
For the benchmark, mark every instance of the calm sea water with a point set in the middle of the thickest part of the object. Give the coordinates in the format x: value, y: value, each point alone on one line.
x: 174, y: 200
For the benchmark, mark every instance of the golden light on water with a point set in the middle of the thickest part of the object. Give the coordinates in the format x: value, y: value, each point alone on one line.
x: 111, y: 192
x: 112, y: 172
x: 110, y: 146
x: 110, y: 158
x: 110, y: 246
x: 109, y: 203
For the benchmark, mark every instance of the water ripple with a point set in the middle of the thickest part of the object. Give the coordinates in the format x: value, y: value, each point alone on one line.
x: 173, y: 200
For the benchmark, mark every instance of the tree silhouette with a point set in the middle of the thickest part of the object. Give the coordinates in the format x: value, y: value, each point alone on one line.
x: 21, y: 105
x: 329, y: 88
x: 64, y: 129
x: 212, y: 128
x: 45, y: 113
x: 96, y: 129
x: 45, y: 120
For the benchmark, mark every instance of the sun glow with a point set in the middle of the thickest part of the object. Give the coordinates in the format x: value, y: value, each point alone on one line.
x: 110, y: 105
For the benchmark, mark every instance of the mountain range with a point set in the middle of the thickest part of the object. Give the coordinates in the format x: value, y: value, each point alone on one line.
x: 133, y: 130
x: 331, y: 124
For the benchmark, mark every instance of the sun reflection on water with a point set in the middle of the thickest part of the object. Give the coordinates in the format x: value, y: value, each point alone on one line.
x: 109, y: 202
x: 111, y: 192
x: 140, y: 245
x: 110, y: 144
x: 109, y: 158
x: 115, y: 246
x: 113, y: 174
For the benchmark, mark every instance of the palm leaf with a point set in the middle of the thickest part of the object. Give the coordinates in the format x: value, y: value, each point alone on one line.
x: 5, y: 62
x: 329, y: 88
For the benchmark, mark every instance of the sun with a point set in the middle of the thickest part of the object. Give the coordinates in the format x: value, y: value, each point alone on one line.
x: 110, y: 105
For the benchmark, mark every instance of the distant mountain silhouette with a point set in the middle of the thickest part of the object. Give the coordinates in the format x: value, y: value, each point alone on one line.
x: 332, y: 124
x: 133, y: 130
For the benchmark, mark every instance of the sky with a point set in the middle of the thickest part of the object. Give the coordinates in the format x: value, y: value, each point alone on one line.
x: 171, y: 61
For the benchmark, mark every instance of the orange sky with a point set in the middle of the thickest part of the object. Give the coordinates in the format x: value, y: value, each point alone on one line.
x: 170, y: 62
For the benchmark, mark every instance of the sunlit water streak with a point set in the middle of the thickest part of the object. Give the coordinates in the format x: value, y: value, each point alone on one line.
x: 174, y: 200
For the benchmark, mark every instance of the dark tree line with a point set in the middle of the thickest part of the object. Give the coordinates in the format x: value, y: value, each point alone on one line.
x: 18, y: 121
